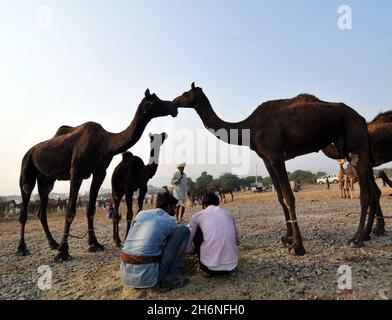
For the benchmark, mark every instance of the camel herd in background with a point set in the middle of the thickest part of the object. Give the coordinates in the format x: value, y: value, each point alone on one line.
x: 76, y: 153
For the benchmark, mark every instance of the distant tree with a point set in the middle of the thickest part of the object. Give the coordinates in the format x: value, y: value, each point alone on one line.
x: 305, y: 177
x: 204, y: 180
x: 267, y: 180
x: 246, y: 181
x: 191, y: 183
x: 320, y: 174
x: 229, y: 180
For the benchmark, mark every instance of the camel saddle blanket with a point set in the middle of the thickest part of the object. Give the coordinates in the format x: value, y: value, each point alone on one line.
x: 139, y: 259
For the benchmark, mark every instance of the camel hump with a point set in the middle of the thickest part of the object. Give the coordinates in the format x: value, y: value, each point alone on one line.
x: 304, y: 98
x: 127, y: 155
x: 63, y: 130
x: 385, y: 117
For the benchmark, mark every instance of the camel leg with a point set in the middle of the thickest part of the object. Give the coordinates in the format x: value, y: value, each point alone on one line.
x: 93, y: 243
x: 379, y: 228
x: 63, y: 253
x: 142, y: 195
x: 288, y: 238
x: 116, y: 236
x: 129, y: 201
x: 45, y: 186
x: 232, y: 197
x: 22, y: 249
x: 279, y: 168
x: 367, y: 197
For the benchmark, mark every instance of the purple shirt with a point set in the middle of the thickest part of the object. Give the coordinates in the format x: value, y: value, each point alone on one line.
x: 221, y: 237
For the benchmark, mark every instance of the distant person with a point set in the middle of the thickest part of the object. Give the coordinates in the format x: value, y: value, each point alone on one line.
x: 327, y: 183
x: 154, y: 248
x: 214, y: 238
x: 180, y: 191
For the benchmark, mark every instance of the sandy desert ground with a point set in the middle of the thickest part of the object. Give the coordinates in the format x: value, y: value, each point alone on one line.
x: 266, y: 270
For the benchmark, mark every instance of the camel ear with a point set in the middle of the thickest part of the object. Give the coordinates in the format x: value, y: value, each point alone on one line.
x: 193, y: 85
x: 147, y: 93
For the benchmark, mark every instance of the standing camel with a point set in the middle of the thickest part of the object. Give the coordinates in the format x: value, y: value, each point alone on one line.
x: 379, y: 129
x: 275, y: 139
x: 130, y: 175
x: 347, y: 178
x: 74, y: 154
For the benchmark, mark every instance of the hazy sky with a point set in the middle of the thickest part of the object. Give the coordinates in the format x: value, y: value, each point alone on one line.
x: 92, y: 60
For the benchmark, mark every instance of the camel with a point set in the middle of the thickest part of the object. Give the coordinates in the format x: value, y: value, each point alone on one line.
x: 223, y: 191
x: 380, y: 152
x: 386, y: 181
x: 280, y: 130
x: 74, y: 154
x: 130, y: 175
x: 347, y: 178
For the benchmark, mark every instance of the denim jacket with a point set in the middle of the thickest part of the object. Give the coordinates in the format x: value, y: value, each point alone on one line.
x: 146, y: 238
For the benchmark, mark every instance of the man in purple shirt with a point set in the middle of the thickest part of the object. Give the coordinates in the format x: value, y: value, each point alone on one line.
x: 214, y: 238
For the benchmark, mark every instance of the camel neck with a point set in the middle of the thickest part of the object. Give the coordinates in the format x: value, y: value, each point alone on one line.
x: 124, y: 140
x: 236, y: 133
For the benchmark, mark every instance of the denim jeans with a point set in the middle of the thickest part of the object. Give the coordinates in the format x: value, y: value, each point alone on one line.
x: 172, y: 254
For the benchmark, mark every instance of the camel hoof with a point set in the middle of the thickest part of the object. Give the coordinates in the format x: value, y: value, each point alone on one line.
x: 378, y: 232
x: 298, y: 250
x: 355, y: 243
x: 286, y: 241
x: 22, y: 251
x: 96, y: 247
x: 61, y: 257
x: 54, y: 245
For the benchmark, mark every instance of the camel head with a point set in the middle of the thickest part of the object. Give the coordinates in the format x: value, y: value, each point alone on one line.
x: 189, y: 98
x: 153, y: 107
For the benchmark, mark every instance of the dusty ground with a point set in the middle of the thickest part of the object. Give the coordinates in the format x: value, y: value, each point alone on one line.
x: 266, y: 270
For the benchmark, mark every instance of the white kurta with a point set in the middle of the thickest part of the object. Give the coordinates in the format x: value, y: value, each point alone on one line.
x: 180, y: 184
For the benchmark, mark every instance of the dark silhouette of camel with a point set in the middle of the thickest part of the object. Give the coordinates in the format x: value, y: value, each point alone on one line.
x: 76, y: 153
x: 383, y: 176
x: 223, y: 191
x: 130, y: 175
x: 280, y: 130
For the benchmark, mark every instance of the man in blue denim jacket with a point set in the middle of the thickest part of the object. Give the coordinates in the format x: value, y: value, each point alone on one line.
x: 155, y: 247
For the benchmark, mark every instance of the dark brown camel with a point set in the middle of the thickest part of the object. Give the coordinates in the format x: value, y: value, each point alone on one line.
x: 280, y: 130
x: 76, y: 153
x: 379, y: 129
x: 223, y: 191
x: 130, y: 175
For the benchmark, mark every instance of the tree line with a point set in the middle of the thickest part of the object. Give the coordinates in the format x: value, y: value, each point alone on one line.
x: 229, y: 180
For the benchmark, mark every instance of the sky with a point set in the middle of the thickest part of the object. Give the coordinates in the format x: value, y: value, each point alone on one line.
x: 68, y: 62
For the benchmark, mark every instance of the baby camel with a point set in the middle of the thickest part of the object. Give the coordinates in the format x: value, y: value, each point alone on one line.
x: 130, y: 175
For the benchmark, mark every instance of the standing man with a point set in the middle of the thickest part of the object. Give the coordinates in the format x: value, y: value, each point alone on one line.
x: 154, y: 248
x: 180, y: 191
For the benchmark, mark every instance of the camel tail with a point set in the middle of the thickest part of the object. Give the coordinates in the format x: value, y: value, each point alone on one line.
x: 28, y: 173
x: 127, y: 155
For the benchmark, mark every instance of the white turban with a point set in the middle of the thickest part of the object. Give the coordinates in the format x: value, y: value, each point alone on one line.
x: 181, y: 165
